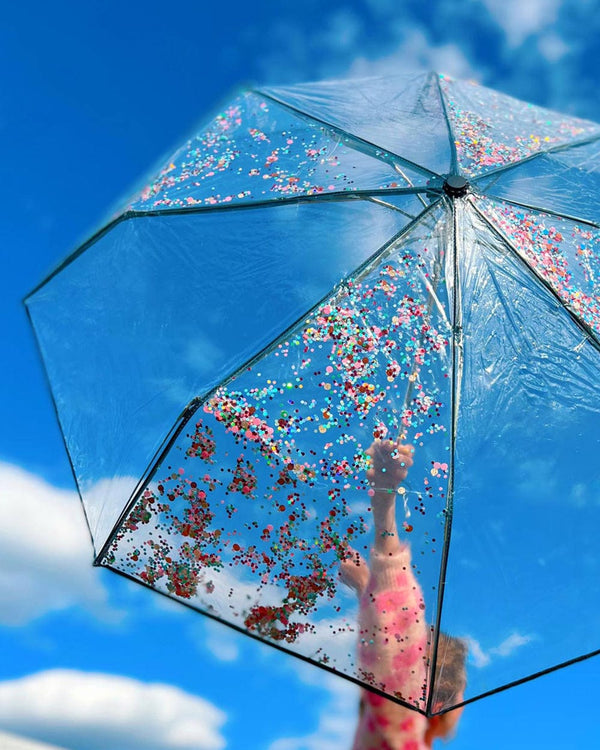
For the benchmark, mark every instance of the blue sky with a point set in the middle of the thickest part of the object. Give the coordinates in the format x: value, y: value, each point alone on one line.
x: 91, y: 95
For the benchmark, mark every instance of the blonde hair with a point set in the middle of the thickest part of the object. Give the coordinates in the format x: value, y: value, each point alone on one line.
x: 450, y: 678
x: 450, y: 675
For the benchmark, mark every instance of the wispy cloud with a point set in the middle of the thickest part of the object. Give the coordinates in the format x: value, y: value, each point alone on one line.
x: 95, y: 711
x: 513, y: 46
x: 337, y: 718
x: 519, y: 20
x: 483, y: 658
x: 222, y: 642
x: 585, y: 494
x: 536, y: 477
x: 16, y: 742
x: 414, y: 50
x: 45, y: 551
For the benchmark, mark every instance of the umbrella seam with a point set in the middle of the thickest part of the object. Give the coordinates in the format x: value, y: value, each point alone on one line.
x: 354, y: 138
x: 195, y: 403
x: 419, y: 196
x: 243, y: 631
x: 76, y: 253
x: 541, y: 210
x: 451, y: 138
x: 542, y: 152
x: 60, y: 425
x: 454, y: 394
x: 333, y: 197
x: 523, y: 680
x: 582, y: 325
x: 391, y: 206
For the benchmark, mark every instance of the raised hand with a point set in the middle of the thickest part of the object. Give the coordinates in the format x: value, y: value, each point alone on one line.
x: 390, y: 462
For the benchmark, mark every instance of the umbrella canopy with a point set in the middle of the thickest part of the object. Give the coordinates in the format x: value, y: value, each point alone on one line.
x: 323, y: 265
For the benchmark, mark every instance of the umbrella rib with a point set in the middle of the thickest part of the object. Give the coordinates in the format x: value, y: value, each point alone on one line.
x: 552, y: 150
x: 147, y: 476
x: 337, y: 195
x: 260, y: 639
x: 76, y: 253
x: 267, y: 203
x: 433, y: 300
x: 539, y: 209
x: 196, y: 402
x: 381, y: 202
x: 60, y: 424
x: 405, y: 177
x: 365, y: 267
x: 454, y: 394
x: 360, y: 144
x: 586, y: 329
x: 522, y: 680
x: 453, y: 153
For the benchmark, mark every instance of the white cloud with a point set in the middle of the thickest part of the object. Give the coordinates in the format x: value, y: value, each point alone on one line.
x: 578, y: 495
x: 13, y: 742
x: 203, y: 355
x: 477, y: 655
x: 511, y: 644
x: 481, y: 658
x: 381, y: 37
x: 222, y: 642
x: 585, y: 494
x: 45, y: 551
x: 341, y: 31
x: 339, y: 704
x: 519, y: 19
x: 414, y: 51
x: 537, y: 477
x: 338, y: 716
x: 336, y: 637
x: 552, y: 47
x: 104, y: 502
x: 87, y: 711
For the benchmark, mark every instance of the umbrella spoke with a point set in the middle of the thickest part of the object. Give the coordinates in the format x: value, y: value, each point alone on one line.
x: 360, y: 144
x: 452, y: 140
x: 539, y: 209
x: 564, y: 298
x: 573, y: 143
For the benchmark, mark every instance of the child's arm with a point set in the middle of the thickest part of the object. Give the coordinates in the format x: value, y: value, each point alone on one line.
x: 390, y: 462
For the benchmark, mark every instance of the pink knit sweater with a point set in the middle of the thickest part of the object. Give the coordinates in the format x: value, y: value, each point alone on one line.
x: 392, y: 655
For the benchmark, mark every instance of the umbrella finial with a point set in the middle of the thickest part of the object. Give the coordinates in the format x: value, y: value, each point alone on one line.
x: 455, y: 186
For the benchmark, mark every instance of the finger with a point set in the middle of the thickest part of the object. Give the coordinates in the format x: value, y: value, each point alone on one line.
x: 404, y: 458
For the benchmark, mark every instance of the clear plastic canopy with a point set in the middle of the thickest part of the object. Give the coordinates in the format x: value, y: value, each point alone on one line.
x: 324, y: 265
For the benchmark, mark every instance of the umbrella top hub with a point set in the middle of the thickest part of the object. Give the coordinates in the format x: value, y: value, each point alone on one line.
x: 455, y: 186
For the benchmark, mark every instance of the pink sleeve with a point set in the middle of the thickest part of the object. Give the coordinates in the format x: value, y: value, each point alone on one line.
x: 392, y: 654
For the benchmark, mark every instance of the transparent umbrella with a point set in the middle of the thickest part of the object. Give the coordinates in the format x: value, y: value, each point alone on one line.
x: 411, y: 258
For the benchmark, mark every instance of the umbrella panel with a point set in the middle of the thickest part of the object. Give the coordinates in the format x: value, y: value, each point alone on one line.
x: 262, y: 491
x: 525, y: 514
x: 562, y: 253
x: 159, y: 309
x: 402, y: 114
x: 258, y: 150
x: 566, y: 181
x: 493, y: 130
